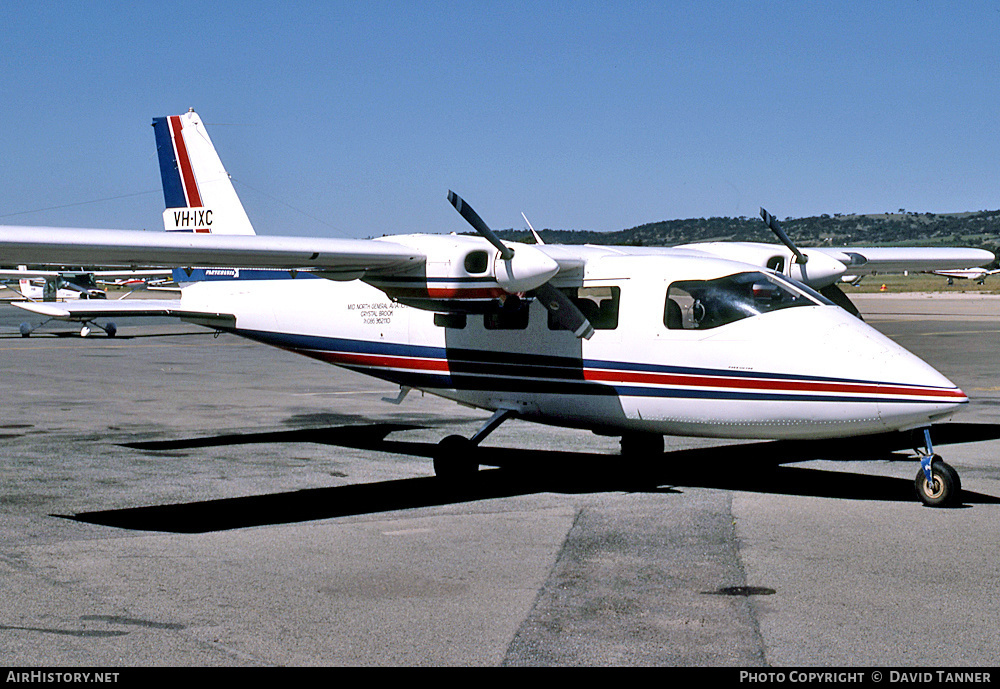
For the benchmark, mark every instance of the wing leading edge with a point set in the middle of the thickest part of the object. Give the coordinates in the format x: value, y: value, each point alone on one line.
x: 867, y: 260
x: 332, y: 258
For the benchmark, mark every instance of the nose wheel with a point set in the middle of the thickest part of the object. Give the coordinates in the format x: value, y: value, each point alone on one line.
x: 942, y: 489
x: 937, y: 484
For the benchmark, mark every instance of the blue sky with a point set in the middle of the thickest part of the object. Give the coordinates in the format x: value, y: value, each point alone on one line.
x: 354, y: 119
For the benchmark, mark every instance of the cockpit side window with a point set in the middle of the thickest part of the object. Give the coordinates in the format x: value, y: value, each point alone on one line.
x: 705, y: 304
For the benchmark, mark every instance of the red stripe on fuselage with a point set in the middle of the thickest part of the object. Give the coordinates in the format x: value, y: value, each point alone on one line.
x: 381, y: 361
x: 184, y: 164
x: 764, y: 384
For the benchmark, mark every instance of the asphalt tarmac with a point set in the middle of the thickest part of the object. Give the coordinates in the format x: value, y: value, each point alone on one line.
x: 173, y: 498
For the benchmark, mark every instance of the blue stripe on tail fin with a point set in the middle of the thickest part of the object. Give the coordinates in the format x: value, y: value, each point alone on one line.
x: 170, y: 174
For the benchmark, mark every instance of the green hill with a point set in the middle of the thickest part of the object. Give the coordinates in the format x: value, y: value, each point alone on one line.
x: 977, y: 229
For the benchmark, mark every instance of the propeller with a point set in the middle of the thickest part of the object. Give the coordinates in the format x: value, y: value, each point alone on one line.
x: 471, y: 217
x: 824, y: 270
x: 531, y: 270
x: 772, y: 223
x: 564, y: 311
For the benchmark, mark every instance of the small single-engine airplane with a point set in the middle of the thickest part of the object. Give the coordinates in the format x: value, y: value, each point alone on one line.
x: 714, y: 340
x: 53, y: 285
x: 61, y: 285
x: 977, y: 274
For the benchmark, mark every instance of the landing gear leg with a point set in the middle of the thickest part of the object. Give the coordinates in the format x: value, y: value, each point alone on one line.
x: 937, y: 484
x: 455, y: 456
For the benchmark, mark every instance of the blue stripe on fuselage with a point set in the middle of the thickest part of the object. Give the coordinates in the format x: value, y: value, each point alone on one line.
x: 184, y: 275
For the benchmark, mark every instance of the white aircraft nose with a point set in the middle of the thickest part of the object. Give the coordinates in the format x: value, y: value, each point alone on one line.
x: 909, y: 391
x: 926, y: 397
x: 838, y: 376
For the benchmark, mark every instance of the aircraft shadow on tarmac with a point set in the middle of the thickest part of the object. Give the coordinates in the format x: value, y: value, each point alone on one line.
x: 753, y: 467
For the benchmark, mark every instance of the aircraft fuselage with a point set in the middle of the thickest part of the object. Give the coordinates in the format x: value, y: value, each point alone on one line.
x: 812, y: 371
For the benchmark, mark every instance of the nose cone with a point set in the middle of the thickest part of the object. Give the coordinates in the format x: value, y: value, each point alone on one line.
x: 909, y: 391
x: 828, y: 374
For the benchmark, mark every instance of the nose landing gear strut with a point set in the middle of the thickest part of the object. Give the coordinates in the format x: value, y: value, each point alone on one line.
x: 937, y: 484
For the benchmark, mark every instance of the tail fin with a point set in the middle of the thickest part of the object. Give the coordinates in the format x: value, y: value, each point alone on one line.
x: 24, y: 283
x: 198, y: 192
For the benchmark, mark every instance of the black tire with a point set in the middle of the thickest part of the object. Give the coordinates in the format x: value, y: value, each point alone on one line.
x: 642, y: 445
x: 944, y: 491
x: 454, y: 459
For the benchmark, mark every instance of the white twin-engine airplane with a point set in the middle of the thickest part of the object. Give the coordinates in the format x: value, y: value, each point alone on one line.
x: 714, y: 340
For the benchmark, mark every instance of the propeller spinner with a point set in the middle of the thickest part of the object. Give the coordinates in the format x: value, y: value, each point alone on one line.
x: 529, y: 269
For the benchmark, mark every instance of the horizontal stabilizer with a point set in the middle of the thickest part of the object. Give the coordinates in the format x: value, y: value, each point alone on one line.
x: 89, y: 309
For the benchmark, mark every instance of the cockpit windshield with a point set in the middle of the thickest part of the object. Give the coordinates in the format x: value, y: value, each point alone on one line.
x: 704, y: 304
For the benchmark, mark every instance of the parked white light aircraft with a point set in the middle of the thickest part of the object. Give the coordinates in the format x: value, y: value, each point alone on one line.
x: 61, y: 285
x: 977, y: 274
x: 715, y: 340
x: 52, y: 285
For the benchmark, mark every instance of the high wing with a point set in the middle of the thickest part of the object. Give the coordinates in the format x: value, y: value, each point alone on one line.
x: 330, y: 258
x: 8, y: 274
x: 868, y: 260
x: 825, y: 266
x: 343, y: 259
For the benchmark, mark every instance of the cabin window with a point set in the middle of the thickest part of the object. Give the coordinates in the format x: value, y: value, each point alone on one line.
x: 704, y: 304
x: 477, y: 262
x: 599, y: 304
x: 455, y: 321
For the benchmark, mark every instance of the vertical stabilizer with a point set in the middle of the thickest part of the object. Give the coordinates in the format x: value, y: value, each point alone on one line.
x: 24, y: 284
x: 198, y: 192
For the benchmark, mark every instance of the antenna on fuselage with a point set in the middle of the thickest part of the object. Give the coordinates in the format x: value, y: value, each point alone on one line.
x: 538, y: 239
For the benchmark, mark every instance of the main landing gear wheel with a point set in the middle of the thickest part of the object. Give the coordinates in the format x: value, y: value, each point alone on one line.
x: 945, y: 487
x: 454, y: 459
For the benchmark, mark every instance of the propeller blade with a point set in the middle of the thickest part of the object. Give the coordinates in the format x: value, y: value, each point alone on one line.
x: 772, y: 223
x: 471, y: 217
x: 564, y: 311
